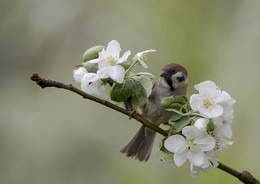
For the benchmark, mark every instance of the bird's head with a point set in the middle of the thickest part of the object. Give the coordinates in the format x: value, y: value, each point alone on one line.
x: 175, y: 75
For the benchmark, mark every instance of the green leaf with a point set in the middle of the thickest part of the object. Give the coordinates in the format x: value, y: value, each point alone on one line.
x: 175, y: 117
x: 210, y: 126
x: 174, y: 106
x: 121, y: 91
x: 146, y: 83
x: 162, y: 148
x: 166, y: 102
x: 172, y: 131
x: 139, y: 95
x: 92, y: 53
x: 180, y: 99
x: 181, y: 123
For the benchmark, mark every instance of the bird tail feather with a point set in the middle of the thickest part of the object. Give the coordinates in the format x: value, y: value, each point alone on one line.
x: 140, y: 147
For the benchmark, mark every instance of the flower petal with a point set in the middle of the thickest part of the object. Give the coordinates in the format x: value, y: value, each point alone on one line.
x: 226, y: 99
x: 104, y: 72
x: 228, y: 114
x: 180, y: 157
x: 193, y: 170
x: 113, y: 49
x: 102, y: 60
x: 146, y: 74
x: 205, y: 84
x: 95, y: 60
x: 201, y: 123
x: 191, y: 132
x: 124, y: 57
x: 209, y: 93
x: 218, y: 121
x: 212, y: 112
x: 174, y: 142
x: 196, y: 102
x: 79, y: 73
x: 226, y: 130
x: 139, y: 54
x: 92, y: 88
x: 205, y: 142
x: 196, y: 157
x: 206, y: 169
x: 142, y: 63
x: 229, y: 143
x: 151, y: 50
x: 117, y: 73
x: 93, y: 77
x: 212, y: 156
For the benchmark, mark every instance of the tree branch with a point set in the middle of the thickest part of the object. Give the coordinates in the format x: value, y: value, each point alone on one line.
x: 244, y: 176
x: 50, y: 83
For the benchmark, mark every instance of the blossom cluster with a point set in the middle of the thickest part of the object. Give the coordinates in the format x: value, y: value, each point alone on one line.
x: 105, y: 66
x: 201, y: 127
x: 208, y: 132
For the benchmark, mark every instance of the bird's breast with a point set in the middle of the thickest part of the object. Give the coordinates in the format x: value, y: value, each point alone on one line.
x: 153, y: 111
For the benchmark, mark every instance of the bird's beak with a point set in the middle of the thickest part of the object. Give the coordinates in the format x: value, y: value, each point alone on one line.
x: 163, y: 74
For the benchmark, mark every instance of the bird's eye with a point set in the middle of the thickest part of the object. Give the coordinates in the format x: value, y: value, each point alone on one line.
x: 180, y: 79
x: 173, y: 71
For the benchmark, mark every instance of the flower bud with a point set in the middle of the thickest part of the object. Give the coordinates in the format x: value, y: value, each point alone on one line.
x: 201, y: 123
x: 92, y: 53
x: 91, y: 67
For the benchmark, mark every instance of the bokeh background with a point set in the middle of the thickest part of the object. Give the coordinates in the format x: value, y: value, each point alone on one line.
x: 54, y: 136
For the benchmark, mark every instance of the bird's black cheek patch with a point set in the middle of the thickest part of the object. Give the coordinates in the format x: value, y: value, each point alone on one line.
x: 169, y: 82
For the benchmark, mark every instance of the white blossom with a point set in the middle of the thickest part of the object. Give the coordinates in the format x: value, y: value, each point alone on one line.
x: 211, y: 102
x: 141, y: 57
x: 90, y: 82
x: 109, y: 62
x: 201, y: 144
x: 207, y: 104
x: 191, y: 147
x: 219, y: 133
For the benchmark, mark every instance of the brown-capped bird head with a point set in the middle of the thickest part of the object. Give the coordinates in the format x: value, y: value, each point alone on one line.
x: 175, y: 75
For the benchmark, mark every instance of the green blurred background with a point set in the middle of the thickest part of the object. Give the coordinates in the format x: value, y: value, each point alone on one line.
x: 54, y: 136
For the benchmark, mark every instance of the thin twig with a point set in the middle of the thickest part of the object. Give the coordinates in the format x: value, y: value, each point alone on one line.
x: 244, y: 176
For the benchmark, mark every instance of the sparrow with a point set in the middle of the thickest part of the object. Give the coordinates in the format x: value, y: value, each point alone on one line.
x: 172, y: 82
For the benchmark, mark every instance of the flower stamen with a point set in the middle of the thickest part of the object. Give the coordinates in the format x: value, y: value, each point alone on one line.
x: 190, y: 146
x: 207, y: 103
x: 144, y: 57
x: 111, y: 59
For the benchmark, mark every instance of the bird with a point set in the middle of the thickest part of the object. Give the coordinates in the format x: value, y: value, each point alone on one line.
x: 173, y: 81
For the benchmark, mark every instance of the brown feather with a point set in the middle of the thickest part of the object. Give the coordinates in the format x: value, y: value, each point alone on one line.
x: 176, y: 66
